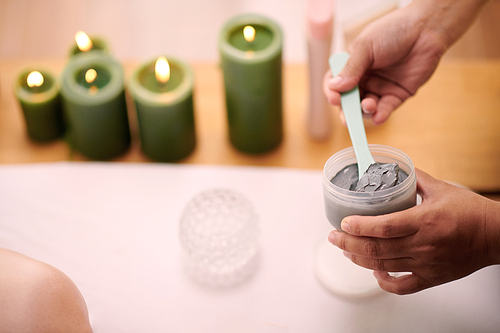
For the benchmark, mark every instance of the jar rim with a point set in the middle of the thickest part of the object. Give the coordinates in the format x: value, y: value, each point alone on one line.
x: 377, y: 196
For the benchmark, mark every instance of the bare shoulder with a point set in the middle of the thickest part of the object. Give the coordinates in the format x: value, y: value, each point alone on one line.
x: 37, y: 297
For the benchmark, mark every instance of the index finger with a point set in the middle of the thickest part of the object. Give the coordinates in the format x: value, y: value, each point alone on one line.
x: 398, y: 224
x: 332, y: 96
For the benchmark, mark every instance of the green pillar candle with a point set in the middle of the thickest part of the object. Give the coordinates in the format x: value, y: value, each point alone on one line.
x: 93, y: 99
x: 165, y: 111
x: 252, y: 80
x: 84, y: 43
x: 39, y: 100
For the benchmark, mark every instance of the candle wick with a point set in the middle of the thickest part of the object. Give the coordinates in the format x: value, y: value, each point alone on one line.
x: 163, y: 86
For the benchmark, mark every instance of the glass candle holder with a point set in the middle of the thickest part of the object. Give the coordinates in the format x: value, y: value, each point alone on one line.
x: 340, y: 203
x: 219, y: 236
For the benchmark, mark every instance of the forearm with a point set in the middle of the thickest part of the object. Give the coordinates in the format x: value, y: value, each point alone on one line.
x: 492, y: 227
x: 448, y: 19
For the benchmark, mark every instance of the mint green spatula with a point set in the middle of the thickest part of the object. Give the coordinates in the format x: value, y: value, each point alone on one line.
x: 351, y: 106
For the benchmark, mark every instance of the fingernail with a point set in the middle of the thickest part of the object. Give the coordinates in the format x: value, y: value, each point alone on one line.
x: 335, y: 81
x: 344, y: 225
x: 365, y: 112
x: 347, y: 254
x: 331, y: 238
x: 342, y: 119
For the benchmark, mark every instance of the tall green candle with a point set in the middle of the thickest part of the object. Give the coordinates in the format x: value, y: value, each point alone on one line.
x: 252, y: 67
x: 38, y: 95
x: 162, y: 89
x: 93, y: 98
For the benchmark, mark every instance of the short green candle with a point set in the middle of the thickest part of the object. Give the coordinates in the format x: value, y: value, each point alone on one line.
x: 253, y: 84
x: 84, y: 43
x: 93, y: 99
x: 165, y: 110
x: 40, y: 103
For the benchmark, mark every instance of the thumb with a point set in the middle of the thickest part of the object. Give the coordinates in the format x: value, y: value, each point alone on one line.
x: 426, y: 184
x: 358, y: 63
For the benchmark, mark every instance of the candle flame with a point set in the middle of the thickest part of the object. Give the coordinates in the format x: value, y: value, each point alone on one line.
x: 83, y: 41
x: 249, y: 33
x: 35, y: 79
x: 90, y: 75
x: 162, y: 70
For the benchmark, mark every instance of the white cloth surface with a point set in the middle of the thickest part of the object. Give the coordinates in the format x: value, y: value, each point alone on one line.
x: 113, y: 229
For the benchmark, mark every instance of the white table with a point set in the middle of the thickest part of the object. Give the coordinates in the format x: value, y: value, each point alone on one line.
x: 113, y: 228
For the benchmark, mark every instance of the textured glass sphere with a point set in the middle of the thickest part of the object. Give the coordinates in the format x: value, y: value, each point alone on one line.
x: 219, y: 236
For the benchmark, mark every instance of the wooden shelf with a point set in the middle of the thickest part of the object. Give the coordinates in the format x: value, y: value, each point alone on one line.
x: 450, y: 129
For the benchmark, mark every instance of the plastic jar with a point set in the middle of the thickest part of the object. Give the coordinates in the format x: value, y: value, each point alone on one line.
x: 340, y: 203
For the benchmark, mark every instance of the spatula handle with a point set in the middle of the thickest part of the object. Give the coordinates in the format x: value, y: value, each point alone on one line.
x: 351, y: 106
